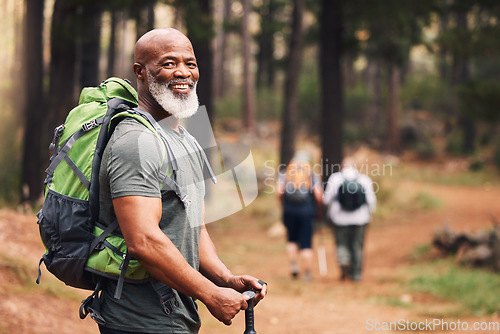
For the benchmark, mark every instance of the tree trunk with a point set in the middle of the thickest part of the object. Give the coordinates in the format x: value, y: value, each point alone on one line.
x: 265, y: 57
x: 110, y: 70
x: 123, y: 58
x: 331, y: 85
x: 199, y: 23
x: 219, y: 50
x: 62, y: 64
x: 460, y: 76
x: 289, y: 117
x: 374, y: 82
x: 393, y: 109
x: 248, y: 83
x: 33, y: 109
x: 443, y: 52
x: 150, y: 23
x: 89, y: 30
x: 143, y: 12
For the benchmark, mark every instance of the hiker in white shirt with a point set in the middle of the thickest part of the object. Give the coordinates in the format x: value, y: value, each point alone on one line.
x: 349, y: 223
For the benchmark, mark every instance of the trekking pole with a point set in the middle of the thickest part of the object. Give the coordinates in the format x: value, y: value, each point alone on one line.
x: 323, y: 267
x: 249, y: 314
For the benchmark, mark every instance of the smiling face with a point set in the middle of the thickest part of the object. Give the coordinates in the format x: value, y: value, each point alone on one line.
x: 177, y: 97
x: 167, y: 72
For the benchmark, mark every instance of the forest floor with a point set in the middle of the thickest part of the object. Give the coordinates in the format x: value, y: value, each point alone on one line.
x: 246, y: 243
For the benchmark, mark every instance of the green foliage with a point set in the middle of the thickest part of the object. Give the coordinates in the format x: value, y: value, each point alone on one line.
x: 476, y: 290
x: 425, y: 149
x: 353, y: 133
x: 228, y: 106
x: 428, y: 92
x: 426, y: 201
x: 454, y: 143
x: 357, y: 101
x: 356, y: 106
x: 420, y: 251
x: 458, y: 174
x: 391, y: 38
x: 309, y: 95
x: 480, y: 99
x: 477, y: 164
x: 269, y: 104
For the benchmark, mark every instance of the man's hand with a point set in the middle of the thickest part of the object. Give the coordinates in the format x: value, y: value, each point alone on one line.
x: 225, y: 303
x: 246, y: 282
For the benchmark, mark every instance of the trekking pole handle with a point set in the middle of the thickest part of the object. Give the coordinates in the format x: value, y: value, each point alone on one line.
x: 249, y: 314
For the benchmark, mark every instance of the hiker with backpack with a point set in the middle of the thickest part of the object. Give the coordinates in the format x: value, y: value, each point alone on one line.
x: 123, y: 212
x: 165, y: 234
x: 350, y: 202
x: 299, y: 191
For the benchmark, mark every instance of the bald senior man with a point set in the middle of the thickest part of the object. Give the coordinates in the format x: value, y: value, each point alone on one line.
x: 166, y: 236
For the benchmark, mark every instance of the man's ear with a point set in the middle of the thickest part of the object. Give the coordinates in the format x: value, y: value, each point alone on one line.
x: 140, y: 71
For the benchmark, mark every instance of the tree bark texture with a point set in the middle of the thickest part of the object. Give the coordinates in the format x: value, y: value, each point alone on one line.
x: 290, y: 112
x: 62, y: 64
x: 393, y: 109
x: 331, y: 85
x: 265, y: 56
x: 249, y: 113
x: 200, y: 30
x: 89, y: 31
x: 33, y: 109
x: 460, y: 76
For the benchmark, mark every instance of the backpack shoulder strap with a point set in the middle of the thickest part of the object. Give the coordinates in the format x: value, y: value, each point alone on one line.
x: 115, y: 106
x: 170, y: 157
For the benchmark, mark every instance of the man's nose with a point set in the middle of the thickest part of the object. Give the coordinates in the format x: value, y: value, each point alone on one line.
x: 182, y: 71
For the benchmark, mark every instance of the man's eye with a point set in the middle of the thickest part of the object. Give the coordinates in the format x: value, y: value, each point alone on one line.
x: 192, y: 65
x: 169, y: 64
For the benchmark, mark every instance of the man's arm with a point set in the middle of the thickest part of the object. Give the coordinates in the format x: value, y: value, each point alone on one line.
x: 216, y: 271
x: 139, y: 217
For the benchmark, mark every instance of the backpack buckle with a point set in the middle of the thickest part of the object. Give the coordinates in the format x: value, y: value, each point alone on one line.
x: 87, y: 126
x: 169, y: 304
x: 185, y: 199
x: 57, y: 133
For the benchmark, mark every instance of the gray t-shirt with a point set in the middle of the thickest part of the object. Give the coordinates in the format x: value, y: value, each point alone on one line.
x: 130, y: 166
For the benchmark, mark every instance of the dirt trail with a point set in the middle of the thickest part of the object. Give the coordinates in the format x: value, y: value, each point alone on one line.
x: 322, y: 306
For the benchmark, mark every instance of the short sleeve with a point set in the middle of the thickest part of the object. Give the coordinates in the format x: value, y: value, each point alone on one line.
x: 134, y: 162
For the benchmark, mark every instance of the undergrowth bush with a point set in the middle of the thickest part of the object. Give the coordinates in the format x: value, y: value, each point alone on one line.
x: 475, y: 290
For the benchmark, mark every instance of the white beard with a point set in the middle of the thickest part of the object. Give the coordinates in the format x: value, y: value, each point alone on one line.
x: 179, y: 105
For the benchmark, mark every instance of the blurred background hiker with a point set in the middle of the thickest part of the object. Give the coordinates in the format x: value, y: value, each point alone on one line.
x: 351, y: 201
x: 300, y: 193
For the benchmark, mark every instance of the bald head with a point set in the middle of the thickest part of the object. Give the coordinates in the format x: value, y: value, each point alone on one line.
x: 152, y: 43
x: 167, y: 73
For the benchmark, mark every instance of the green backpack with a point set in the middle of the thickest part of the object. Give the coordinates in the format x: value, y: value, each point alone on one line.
x: 79, y: 250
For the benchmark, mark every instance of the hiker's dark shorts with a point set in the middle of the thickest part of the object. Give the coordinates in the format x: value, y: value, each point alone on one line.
x: 299, y: 228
